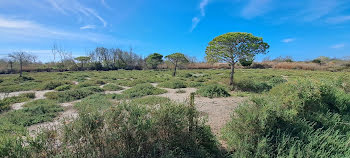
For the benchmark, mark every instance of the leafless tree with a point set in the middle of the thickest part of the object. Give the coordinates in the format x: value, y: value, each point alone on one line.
x: 21, y: 57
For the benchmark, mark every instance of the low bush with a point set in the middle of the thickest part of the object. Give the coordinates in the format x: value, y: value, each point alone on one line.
x: 195, y: 84
x: 252, y: 85
x: 5, y: 104
x: 112, y: 87
x: 63, y: 87
x: 141, y: 90
x: 174, y: 84
x: 213, y: 91
x: 293, y: 119
x: 129, y: 130
x: 34, y: 112
x: 71, y: 95
x: 53, y: 84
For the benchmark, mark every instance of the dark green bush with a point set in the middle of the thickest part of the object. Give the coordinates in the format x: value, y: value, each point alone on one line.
x: 141, y: 90
x: 174, y: 84
x: 213, y: 91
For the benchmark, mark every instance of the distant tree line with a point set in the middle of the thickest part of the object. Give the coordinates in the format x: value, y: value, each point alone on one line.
x: 100, y: 59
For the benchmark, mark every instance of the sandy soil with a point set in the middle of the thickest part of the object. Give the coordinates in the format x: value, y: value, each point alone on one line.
x: 218, y: 110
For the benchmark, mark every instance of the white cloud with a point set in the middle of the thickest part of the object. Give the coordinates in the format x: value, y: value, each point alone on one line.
x: 87, y: 27
x: 202, y: 6
x: 337, y: 46
x: 338, y: 19
x: 256, y: 8
x: 197, y: 19
x: 17, y: 24
x: 195, y: 22
x: 288, y: 40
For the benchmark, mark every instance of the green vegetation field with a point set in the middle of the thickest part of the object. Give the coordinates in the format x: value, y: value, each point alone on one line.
x: 284, y: 113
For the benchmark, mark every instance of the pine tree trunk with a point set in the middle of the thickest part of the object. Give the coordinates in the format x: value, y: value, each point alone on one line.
x: 231, y: 75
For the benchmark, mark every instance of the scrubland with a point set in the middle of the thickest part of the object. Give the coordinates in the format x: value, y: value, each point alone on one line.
x: 147, y: 113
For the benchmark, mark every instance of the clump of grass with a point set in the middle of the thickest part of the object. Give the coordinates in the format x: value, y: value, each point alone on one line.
x: 180, y: 91
x: 71, y: 95
x: 7, y: 102
x: 63, y: 87
x: 112, y: 87
x: 141, y: 90
x: 174, y: 84
x: 213, y: 91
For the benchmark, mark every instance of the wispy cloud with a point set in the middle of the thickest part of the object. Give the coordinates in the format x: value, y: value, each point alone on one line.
x: 256, y: 8
x: 337, y: 46
x: 105, y: 4
x: 195, y: 22
x: 16, y: 29
x: 68, y: 7
x: 338, y: 19
x: 288, y: 40
x: 87, y: 27
x: 202, y: 6
x: 318, y: 9
x: 197, y: 19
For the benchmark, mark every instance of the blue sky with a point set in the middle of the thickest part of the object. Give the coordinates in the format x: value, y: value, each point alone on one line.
x: 303, y: 29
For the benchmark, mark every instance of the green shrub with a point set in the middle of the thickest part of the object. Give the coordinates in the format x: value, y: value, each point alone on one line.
x: 63, y: 87
x: 5, y: 104
x: 213, y: 91
x: 195, y: 84
x: 112, y: 87
x: 253, y: 86
x: 71, y: 95
x: 141, y: 90
x: 293, y: 118
x: 151, y: 100
x: 174, y: 84
x: 34, y: 112
x: 53, y: 84
x: 130, y: 130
